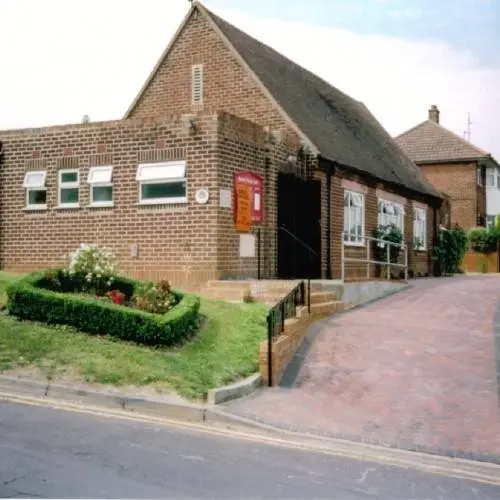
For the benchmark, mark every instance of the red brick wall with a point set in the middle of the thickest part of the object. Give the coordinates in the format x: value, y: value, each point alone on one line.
x: 188, y: 244
x: 178, y: 242
x: 241, y: 146
x: 227, y: 85
x: 458, y: 181
x: 418, y: 261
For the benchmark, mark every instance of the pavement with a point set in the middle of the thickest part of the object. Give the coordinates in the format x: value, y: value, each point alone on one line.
x: 48, y: 452
x: 419, y: 370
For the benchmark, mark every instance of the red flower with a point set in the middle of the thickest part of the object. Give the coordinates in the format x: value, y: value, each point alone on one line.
x: 116, y: 297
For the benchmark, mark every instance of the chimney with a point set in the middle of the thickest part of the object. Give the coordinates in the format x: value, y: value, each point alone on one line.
x: 434, y: 114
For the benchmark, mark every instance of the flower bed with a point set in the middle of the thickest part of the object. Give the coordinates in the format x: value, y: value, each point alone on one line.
x: 30, y: 299
x: 90, y: 296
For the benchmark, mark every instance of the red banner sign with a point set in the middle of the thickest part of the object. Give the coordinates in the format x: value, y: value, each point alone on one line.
x: 256, y: 185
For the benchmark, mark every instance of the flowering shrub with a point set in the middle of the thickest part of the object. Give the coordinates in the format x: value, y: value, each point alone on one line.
x: 154, y: 297
x: 93, y: 268
x: 117, y: 297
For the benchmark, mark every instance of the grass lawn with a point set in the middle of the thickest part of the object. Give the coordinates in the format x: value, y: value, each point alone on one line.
x: 226, y: 349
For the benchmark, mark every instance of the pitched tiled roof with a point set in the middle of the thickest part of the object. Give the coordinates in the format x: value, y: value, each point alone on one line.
x: 430, y: 142
x: 341, y: 128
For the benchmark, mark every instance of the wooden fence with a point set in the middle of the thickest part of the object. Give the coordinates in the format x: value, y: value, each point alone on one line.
x: 477, y: 262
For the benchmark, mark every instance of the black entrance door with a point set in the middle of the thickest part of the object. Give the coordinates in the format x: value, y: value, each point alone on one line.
x: 299, y: 216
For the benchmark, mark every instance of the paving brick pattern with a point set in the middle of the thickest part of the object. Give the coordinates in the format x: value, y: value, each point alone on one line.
x: 415, y: 370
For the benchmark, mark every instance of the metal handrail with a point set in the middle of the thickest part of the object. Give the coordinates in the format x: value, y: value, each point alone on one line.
x: 276, y: 316
x: 312, y: 253
x: 368, y: 260
x: 298, y: 240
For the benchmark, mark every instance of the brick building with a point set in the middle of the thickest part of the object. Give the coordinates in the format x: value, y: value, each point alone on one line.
x: 454, y: 166
x: 156, y: 186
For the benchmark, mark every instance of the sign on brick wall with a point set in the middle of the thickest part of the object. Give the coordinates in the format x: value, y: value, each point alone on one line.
x: 243, y: 204
x: 254, y: 184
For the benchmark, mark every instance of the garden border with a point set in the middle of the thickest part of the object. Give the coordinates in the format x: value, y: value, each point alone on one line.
x: 27, y: 301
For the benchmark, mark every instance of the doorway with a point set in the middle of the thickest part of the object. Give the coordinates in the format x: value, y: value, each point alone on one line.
x: 299, y: 217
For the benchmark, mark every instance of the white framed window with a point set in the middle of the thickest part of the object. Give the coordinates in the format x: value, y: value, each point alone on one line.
x: 491, y: 177
x: 101, y: 186
x: 36, y: 192
x: 69, y: 188
x: 197, y: 84
x: 419, y: 228
x: 354, y: 218
x: 490, y: 221
x: 162, y: 183
x: 390, y: 213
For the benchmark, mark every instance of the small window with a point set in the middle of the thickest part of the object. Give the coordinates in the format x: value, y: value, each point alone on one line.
x: 197, y: 84
x: 354, y: 208
x: 390, y: 213
x: 419, y: 229
x: 101, y: 186
x: 491, y: 178
x: 36, y: 192
x: 69, y: 188
x: 162, y: 183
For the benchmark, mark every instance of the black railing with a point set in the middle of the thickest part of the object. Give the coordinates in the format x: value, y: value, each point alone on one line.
x: 299, y: 241
x: 284, y: 309
x: 312, y: 255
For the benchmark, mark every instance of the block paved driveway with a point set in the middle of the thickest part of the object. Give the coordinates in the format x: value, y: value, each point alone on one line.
x: 416, y: 370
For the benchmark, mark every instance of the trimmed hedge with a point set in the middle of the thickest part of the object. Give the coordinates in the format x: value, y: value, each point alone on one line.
x: 28, y: 299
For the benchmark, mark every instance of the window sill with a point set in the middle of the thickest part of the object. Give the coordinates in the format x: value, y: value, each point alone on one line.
x: 68, y: 207
x: 162, y: 201
x: 101, y: 205
x: 353, y: 244
x: 34, y: 208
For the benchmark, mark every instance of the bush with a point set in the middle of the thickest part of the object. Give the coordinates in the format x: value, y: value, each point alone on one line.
x: 92, y: 267
x: 33, y: 299
x: 154, y: 298
x: 60, y: 280
x: 391, y: 234
x: 449, y: 250
x: 484, y: 240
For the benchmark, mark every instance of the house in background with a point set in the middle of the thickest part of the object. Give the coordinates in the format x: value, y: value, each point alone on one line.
x: 492, y: 194
x: 157, y: 186
x: 466, y: 173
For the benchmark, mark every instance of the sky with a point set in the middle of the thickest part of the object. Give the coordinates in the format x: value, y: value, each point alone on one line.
x: 63, y: 59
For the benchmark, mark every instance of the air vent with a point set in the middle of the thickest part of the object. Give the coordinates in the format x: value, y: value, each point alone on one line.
x: 197, y: 84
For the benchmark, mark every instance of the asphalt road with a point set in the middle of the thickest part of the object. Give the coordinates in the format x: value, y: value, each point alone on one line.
x: 50, y: 453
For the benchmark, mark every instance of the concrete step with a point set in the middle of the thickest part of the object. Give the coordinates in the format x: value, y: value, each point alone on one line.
x: 319, y: 297
x: 228, y: 284
x: 322, y: 309
x: 291, y: 321
x: 233, y: 294
x: 316, y: 297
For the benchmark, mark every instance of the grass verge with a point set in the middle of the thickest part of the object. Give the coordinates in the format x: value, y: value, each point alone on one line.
x: 225, y: 349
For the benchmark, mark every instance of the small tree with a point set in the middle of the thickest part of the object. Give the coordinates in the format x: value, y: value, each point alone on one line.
x: 449, y: 249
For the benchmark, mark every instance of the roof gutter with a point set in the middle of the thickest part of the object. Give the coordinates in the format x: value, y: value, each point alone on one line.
x: 488, y: 158
x: 389, y: 183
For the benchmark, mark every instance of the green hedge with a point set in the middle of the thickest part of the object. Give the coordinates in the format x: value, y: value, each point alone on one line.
x: 27, y: 299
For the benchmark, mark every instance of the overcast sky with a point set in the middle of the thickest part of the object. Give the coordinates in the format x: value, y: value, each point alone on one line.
x: 62, y: 59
